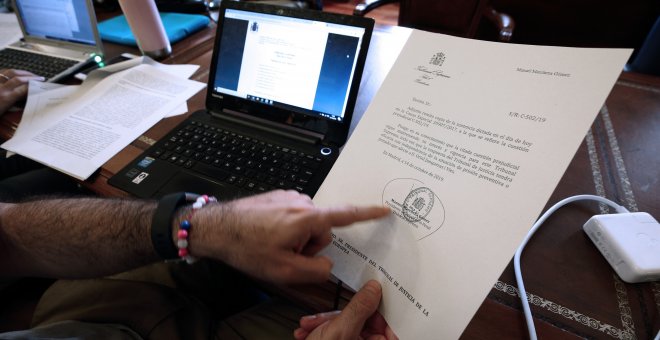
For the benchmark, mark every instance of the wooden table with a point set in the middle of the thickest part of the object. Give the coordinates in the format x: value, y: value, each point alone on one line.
x: 575, y: 292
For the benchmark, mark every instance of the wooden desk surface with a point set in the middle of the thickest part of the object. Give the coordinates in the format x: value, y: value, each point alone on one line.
x: 575, y: 293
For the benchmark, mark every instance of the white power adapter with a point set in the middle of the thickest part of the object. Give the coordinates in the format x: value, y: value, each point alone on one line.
x: 630, y: 242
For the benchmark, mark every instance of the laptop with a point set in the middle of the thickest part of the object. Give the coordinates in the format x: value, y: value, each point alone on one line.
x: 59, y: 37
x: 280, y: 97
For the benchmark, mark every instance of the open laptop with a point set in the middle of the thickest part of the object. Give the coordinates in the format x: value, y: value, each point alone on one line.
x: 59, y: 37
x: 282, y: 88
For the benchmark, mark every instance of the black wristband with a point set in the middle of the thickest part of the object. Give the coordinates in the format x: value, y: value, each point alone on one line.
x: 161, y: 225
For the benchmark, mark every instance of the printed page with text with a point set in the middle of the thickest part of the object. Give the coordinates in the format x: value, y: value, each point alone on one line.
x: 465, y: 141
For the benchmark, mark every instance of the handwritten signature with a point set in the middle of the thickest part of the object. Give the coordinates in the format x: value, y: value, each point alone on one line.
x: 426, y: 70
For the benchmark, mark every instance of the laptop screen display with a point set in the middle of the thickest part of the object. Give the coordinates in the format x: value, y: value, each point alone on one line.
x: 301, y: 65
x: 65, y: 20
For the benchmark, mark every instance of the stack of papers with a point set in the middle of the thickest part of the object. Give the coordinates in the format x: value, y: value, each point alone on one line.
x: 76, y: 129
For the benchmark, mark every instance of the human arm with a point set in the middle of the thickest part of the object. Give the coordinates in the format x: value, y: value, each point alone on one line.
x: 272, y: 236
x: 358, y: 320
x: 75, y: 238
x: 13, y: 86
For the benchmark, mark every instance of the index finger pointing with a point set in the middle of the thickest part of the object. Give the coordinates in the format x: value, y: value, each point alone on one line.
x: 342, y: 216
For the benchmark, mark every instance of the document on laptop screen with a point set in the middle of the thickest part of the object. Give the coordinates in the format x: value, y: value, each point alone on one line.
x: 66, y: 20
x: 465, y: 141
x: 288, y: 62
x: 10, y: 29
x: 281, y: 63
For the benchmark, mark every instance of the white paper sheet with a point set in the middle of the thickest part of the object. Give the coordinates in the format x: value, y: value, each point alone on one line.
x: 10, y: 29
x: 42, y: 96
x: 80, y: 134
x: 183, y: 71
x: 465, y: 141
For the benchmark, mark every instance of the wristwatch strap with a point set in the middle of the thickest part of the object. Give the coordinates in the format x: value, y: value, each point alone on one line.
x: 161, y: 225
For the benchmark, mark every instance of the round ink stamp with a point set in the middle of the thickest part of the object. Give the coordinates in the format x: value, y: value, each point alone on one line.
x: 418, y: 204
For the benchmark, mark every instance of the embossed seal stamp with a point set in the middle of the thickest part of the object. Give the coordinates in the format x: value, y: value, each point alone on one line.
x: 418, y: 204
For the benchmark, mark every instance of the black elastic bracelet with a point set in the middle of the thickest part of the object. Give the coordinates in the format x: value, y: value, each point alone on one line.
x: 161, y: 225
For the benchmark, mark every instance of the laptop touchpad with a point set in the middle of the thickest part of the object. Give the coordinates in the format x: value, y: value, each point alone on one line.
x: 187, y: 182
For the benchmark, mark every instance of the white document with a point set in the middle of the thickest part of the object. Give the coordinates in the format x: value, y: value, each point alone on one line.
x: 281, y: 69
x: 81, y: 133
x: 183, y: 71
x: 465, y: 141
x: 11, y: 30
x: 41, y: 97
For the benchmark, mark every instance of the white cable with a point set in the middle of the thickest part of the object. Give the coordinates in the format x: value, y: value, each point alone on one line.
x: 516, y: 259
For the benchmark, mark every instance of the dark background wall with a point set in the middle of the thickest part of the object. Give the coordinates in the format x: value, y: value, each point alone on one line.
x: 585, y: 23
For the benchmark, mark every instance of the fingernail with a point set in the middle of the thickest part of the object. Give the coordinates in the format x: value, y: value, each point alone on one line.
x: 299, y: 333
x: 334, y: 312
x: 308, y: 317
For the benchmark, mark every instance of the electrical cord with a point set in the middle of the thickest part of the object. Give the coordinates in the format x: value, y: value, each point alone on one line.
x: 516, y: 259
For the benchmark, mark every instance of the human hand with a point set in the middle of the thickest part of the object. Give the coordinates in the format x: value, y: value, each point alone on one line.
x: 13, y: 86
x: 273, y: 236
x: 358, y: 320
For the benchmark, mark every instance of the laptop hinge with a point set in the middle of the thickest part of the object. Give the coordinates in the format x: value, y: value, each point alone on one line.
x: 274, y: 128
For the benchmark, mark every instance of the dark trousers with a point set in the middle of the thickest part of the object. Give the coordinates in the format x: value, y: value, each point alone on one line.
x: 205, y: 300
x: 22, y: 178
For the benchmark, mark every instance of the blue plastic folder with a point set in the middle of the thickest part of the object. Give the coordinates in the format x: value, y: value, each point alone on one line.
x: 177, y: 27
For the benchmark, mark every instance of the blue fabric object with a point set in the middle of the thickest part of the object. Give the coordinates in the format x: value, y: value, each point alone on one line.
x: 177, y: 26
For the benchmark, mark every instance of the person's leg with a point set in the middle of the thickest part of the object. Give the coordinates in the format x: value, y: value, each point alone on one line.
x: 273, y: 319
x: 166, y: 300
x: 22, y: 179
x: 74, y: 330
x: 38, y: 182
x: 16, y: 165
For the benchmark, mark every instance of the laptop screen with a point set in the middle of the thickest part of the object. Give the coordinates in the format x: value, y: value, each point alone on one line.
x: 64, y: 20
x: 302, y: 65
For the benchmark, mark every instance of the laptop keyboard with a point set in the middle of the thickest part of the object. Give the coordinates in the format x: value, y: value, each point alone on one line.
x: 242, y: 161
x: 41, y: 65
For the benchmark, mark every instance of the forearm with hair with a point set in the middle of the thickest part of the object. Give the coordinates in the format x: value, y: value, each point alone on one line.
x: 75, y: 238
x: 212, y: 228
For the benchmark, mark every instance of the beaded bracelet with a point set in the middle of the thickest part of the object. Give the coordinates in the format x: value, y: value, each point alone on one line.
x: 184, y: 228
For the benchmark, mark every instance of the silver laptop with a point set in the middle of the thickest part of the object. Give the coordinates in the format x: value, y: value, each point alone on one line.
x: 59, y: 37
